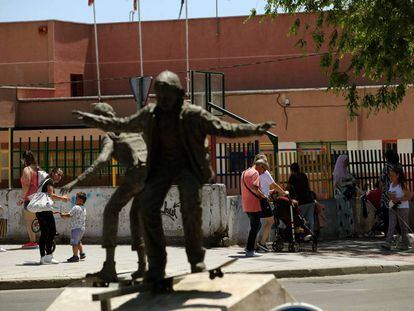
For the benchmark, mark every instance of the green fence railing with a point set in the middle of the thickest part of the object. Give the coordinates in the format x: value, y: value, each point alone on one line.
x: 72, y: 154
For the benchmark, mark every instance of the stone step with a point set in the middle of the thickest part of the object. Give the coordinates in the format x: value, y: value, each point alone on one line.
x: 236, y: 291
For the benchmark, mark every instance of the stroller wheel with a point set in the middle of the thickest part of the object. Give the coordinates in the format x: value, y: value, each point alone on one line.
x: 292, y: 247
x: 277, y: 245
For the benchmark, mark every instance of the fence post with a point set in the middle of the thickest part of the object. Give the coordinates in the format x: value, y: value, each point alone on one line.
x: 275, y: 143
x: 46, y: 155
x: 113, y: 167
x: 65, y: 155
x: 11, y: 151
x: 213, y: 156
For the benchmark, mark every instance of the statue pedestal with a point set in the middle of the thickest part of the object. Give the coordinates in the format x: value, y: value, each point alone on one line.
x: 195, y: 292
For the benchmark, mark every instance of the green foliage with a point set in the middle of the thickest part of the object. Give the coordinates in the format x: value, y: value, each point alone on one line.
x: 371, y: 39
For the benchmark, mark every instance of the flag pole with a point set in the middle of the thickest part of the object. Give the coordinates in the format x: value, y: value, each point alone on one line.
x: 97, y: 53
x: 186, y: 47
x: 217, y: 20
x: 140, y: 38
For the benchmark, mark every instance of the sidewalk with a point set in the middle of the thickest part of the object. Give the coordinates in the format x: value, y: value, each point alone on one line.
x: 20, y: 269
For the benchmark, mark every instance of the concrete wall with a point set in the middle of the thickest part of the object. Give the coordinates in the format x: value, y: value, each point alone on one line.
x: 215, y: 215
x: 239, y: 222
x: 240, y: 226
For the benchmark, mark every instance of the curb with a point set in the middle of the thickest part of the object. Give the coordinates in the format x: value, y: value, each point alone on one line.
x: 322, y: 272
x: 37, y: 283
x: 280, y: 274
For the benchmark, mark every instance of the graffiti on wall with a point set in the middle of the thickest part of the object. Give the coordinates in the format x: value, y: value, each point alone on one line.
x: 170, y: 211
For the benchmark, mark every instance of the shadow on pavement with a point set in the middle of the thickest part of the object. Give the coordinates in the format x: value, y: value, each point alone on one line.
x: 175, y: 300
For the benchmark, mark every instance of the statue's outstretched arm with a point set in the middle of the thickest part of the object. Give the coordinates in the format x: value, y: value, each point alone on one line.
x: 103, y: 157
x: 132, y: 123
x: 212, y: 125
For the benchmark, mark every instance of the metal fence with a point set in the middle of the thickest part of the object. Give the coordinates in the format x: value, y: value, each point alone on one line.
x: 231, y: 159
x: 72, y: 155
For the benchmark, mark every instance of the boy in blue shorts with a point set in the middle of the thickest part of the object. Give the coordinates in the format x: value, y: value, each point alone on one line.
x: 78, y: 221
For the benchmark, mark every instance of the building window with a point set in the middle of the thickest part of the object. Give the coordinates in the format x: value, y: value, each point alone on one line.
x: 76, y: 85
x: 389, y: 144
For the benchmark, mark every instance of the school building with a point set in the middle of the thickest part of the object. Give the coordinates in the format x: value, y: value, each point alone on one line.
x: 48, y: 68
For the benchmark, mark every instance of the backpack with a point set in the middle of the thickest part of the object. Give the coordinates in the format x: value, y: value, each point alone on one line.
x: 40, y: 201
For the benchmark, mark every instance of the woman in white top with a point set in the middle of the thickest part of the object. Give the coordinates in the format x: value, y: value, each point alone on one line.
x: 398, y: 210
x: 267, y: 185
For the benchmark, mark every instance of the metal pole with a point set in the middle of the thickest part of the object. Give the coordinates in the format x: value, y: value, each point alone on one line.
x: 186, y: 47
x: 217, y: 20
x: 97, y: 54
x: 140, y: 38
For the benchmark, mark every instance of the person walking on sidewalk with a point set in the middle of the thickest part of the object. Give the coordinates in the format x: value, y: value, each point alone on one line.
x: 344, y: 189
x: 392, y: 159
x: 299, y: 189
x: 400, y: 196
x: 29, y: 182
x: 251, y: 195
x: 77, y: 224
x: 267, y: 186
x: 47, y: 220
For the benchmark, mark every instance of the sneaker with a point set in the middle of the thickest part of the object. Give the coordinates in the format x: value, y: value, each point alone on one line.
x: 82, y: 255
x: 30, y: 245
x: 263, y: 247
x: 48, y: 259
x: 42, y: 261
x: 73, y: 259
x: 386, y: 246
x: 253, y: 254
x: 2, y: 250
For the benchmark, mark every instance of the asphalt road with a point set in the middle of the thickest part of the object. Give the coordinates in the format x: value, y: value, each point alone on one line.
x: 28, y: 300
x: 358, y: 292
x: 388, y: 291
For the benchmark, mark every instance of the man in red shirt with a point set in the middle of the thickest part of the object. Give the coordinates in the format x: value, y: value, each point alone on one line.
x: 251, y: 195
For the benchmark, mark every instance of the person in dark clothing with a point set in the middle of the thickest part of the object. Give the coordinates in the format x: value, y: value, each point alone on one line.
x: 47, y: 220
x: 300, y: 192
x: 176, y: 136
x: 392, y: 159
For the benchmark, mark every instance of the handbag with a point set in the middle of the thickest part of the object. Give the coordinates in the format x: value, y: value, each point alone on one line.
x: 264, y: 202
x: 40, y: 201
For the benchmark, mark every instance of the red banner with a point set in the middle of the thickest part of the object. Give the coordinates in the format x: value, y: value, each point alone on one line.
x: 90, y: 2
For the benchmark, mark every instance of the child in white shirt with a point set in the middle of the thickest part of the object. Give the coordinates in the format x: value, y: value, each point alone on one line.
x: 78, y: 222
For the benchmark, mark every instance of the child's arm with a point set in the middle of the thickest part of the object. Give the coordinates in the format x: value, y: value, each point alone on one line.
x: 64, y: 215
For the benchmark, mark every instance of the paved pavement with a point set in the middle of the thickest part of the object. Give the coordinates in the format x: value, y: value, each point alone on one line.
x: 20, y: 269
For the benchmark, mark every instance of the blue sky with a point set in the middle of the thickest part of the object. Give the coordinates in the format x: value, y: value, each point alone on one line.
x: 118, y: 10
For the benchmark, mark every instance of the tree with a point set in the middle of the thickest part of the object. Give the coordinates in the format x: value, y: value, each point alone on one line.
x: 372, y: 39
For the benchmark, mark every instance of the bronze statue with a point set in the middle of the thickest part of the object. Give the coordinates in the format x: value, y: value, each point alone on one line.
x: 130, y: 150
x: 176, y: 136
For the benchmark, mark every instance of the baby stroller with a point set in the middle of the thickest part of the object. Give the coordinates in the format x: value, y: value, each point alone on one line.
x: 372, y: 200
x: 290, y: 227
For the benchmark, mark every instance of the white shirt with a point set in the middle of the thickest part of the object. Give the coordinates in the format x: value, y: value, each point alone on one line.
x: 265, y: 181
x: 399, y: 194
x: 78, y: 217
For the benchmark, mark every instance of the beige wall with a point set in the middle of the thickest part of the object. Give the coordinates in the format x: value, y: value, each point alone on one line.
x: 313, y: 115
